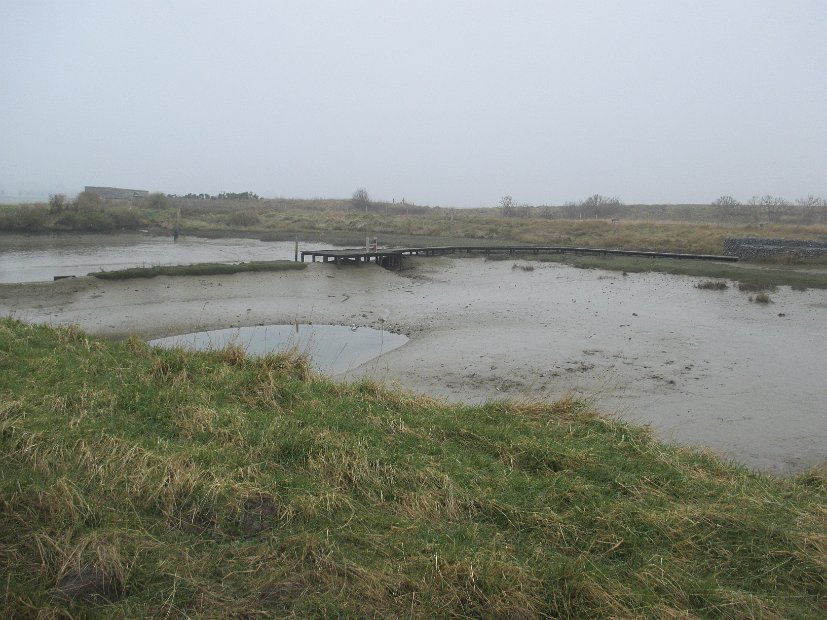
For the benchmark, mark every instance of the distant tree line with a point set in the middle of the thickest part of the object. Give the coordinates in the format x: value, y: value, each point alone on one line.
x: 360, y: 201
x: 768, y: 200
x: 757, y: 209
x: 770, y: 208
x: 88, y: 211
x: 221, y: 196
x: 595, y: 206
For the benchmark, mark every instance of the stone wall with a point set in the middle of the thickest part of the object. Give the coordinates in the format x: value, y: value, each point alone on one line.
x: 752, y: 247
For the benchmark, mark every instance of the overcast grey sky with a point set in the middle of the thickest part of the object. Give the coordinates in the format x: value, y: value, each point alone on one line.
x: 445, y: 103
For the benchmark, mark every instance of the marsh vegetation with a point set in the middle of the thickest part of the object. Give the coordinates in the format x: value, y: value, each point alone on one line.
x: 712, y: 285
x: 669, y: 228
x: 199, y: 269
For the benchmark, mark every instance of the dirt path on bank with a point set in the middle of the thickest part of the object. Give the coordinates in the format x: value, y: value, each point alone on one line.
x: 700, y: 367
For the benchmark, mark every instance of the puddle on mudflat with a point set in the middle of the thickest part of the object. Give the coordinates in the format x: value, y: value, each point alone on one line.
x: 332, y: 348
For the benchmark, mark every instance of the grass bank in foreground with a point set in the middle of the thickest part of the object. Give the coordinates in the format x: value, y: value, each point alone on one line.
x: 200, y: 269
x: 151, y: 483
x: 751, y: 276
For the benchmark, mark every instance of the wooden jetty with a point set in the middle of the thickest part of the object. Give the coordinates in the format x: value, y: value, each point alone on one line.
x: 391, y: 258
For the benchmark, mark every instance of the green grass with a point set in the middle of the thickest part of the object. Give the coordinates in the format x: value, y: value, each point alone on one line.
x: 182, y: 484
x: 199, y: 269
x: 751, y: 277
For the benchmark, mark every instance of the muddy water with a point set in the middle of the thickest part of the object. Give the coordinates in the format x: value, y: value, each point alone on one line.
x: 333, y: 349
x: 41, y: 258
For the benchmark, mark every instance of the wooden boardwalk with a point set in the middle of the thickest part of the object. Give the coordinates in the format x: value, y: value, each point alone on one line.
x: 391, y: 258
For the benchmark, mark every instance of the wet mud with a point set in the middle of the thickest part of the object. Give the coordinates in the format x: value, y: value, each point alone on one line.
x: 702, y: 368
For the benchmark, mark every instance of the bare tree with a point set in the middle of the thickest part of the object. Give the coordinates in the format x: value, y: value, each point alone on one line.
x: 506, y: 206
x: 811, y: 202
x: 769, y: 205
x: 360, y: 199
x: 726, y: 201
x: 727, y: 205
x: 600, y: 206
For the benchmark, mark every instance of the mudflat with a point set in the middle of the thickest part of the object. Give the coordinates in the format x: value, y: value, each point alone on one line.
x: 704, y: 368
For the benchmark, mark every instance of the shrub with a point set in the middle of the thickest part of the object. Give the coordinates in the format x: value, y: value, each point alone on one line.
x: 88, y: 201
x: 712, y: 285
x: 157, y: 200
x: 91, y: 221
x: 128, y: 219
x: 57, y: 203
x: 25, y: 219
x: 762, y: 298
x: 247, y: 217
x: 752, y: 287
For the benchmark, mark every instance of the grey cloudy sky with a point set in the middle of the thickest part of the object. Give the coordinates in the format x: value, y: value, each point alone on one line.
x: 445, y: 103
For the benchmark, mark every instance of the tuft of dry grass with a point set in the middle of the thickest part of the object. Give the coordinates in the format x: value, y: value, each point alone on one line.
x: 712, y: 285
x: 231, y: 354
x: 753, y: 287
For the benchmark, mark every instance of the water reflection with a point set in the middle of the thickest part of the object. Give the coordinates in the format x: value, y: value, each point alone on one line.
x: 40, y: 259
x: 332, y: 348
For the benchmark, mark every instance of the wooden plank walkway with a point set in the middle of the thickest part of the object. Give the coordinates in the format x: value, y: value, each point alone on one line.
x: 391, y: 258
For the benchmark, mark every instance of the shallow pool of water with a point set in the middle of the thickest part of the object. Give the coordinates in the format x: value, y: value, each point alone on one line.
x: 333, y: 349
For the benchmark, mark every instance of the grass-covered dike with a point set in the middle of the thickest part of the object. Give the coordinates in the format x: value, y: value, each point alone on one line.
x: 137, y: 482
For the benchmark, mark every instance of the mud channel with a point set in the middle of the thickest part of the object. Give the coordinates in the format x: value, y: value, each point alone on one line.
x: 701, y: 368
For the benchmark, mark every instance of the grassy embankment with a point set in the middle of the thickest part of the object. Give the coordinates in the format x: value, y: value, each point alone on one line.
x: 445, y: 227
x: 199, y: 269
x: 334, y: 221
x: 152, y: 483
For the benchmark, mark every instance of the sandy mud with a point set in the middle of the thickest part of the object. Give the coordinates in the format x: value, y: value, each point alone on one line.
x: 702, y: 368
